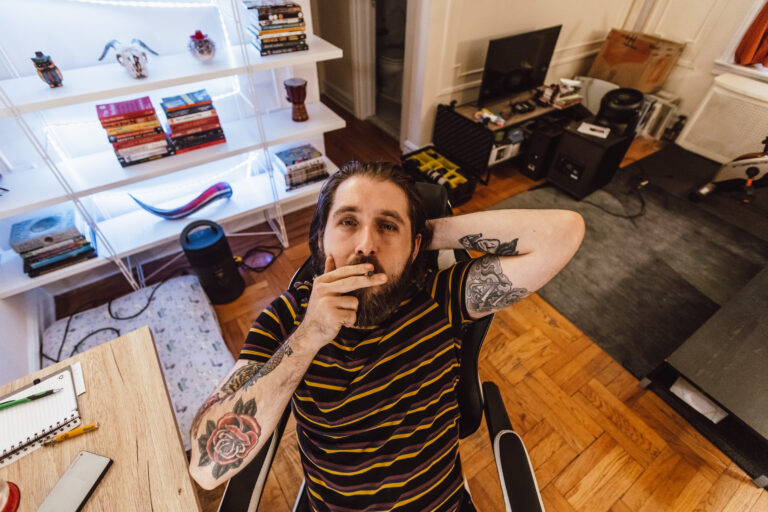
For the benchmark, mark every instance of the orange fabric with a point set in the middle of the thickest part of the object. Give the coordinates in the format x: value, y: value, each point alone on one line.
x: 753, y: 39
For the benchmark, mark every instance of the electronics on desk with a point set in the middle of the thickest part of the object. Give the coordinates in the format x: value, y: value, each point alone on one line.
x: 506, y: 145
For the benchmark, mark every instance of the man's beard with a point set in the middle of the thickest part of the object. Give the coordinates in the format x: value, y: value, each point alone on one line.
x: 377, y: 303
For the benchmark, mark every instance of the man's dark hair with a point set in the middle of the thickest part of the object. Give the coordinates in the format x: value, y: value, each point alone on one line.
x: 383, y: 171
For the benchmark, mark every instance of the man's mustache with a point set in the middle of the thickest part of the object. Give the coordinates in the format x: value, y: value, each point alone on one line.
x: 377, y: 268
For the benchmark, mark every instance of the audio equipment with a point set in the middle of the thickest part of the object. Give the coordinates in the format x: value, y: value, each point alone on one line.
x: 209, y: 255
x: 542, y: 143
x: 584, y: 163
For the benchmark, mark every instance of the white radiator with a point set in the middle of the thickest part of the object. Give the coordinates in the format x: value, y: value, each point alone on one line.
x: 732, y: 119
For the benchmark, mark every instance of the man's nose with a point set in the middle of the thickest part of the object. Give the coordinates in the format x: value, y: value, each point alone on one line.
x: 366, y: 243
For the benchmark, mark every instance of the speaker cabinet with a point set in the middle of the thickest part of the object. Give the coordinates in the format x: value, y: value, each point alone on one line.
x: 732, y: 120
x: 541, y: 145
x: 584, y: 163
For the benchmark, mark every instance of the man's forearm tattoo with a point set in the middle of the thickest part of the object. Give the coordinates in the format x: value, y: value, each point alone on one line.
x: 488, y: 288
x: 241, y: 377
x: 228, y: 441
x: 489, y: 245
x: 274, y: 361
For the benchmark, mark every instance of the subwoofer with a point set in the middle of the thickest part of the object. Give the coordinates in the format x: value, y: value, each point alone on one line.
x: 584, y: 163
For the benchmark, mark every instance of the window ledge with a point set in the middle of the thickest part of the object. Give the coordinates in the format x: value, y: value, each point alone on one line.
x: 757, y: 72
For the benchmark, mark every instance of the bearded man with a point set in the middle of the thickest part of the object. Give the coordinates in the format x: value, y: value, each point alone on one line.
x: 368, y: 353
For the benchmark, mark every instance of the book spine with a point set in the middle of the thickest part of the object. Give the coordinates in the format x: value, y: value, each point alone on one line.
x: 128, y: 163
x: 260, y: 32
x: 63, y: 264
x: 127, y: 122
x: 279, y: 19
x: 63, y: 256
x: 188, y: 105
x: 37, y: 243
x: 60, y: 250
x: 200, y: 146
x: 283, y: 38
x: 193, y: 140
x: 143, y: 148
x: 187, y: 111
x: 152, y: 137
x: 306, y: 163
x: 176, y: 121
x: 197, y: 129
x: 135, y: 135
x: 298, y: 48
x: 133, y: 127
x: 52, y: 247
x: 261, y: 45
x: 130, y: 115
x: 193, y: 124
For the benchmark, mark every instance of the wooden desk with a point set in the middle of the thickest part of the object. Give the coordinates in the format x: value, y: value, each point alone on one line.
x: 126, y: 394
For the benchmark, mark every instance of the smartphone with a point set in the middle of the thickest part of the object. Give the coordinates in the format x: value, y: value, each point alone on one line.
x: 77, y: 483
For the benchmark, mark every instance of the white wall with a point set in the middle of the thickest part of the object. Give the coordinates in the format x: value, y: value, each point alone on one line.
x: 333, y: 23
x: 708, y: 27
x: 452, y: 38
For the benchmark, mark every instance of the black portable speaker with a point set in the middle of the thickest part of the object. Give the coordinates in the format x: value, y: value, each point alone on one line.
x: 209, y: 255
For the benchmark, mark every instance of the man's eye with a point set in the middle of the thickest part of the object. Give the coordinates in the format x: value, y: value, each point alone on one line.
x: 388, y: 227
x: 347, y: 222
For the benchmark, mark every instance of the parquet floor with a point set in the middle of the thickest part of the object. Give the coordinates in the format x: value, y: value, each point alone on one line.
x: 597, y: 441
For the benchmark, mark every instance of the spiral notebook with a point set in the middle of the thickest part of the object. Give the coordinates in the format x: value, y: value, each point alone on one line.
x: 24, y: 427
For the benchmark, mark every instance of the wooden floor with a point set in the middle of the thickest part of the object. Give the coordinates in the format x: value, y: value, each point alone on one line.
x: 596, y: 440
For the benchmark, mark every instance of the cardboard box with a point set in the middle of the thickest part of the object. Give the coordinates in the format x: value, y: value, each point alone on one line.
x: 639, y: 61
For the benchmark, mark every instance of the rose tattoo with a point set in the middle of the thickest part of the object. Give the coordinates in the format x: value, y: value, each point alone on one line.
x: 228, y: 442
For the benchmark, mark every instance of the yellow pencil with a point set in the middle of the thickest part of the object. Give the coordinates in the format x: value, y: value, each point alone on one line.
x: 73, y: 433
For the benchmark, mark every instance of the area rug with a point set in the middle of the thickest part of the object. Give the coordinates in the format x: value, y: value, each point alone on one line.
x: 640, y: 287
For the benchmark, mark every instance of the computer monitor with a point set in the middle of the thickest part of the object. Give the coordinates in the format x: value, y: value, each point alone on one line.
x: 517, y: 64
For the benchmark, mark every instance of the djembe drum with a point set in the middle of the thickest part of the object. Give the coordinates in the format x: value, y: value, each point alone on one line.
x: 296, y: 88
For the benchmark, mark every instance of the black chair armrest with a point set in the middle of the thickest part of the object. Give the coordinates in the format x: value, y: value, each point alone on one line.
x: 243, y: 491
x: 518, y: 483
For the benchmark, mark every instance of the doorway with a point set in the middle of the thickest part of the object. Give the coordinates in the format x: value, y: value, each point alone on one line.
x: 389, y: 57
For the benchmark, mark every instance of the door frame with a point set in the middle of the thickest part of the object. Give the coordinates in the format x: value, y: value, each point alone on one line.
x: 362, y: 15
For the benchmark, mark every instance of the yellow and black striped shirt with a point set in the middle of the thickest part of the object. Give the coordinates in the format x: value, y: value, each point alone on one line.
x: 376, y: 413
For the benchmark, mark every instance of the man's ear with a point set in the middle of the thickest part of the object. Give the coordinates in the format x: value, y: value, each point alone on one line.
x: 416, y: 245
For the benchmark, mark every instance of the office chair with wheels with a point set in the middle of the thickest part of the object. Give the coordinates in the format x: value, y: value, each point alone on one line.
x: 519, y: 487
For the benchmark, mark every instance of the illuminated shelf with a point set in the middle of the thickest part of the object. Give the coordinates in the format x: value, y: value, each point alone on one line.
x: 250, y: 197
x: 101, y: 82
x: 37, y: 188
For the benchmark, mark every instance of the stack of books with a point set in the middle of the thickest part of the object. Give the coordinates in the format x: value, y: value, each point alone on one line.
x: 301, y: 165
x: 52, y: 242
x: 134, y: 131
x: 276, y: 27
x: 192, y: 121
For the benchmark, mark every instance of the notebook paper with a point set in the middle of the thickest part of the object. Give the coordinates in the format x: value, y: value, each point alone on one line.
x: 24, y: 427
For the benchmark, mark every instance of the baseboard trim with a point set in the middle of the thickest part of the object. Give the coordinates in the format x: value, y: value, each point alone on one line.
x: 409, y: 146
x: 339, y: 96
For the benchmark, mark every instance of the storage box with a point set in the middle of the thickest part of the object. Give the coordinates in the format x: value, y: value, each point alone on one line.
x: 457, y: 158
x: 636, y: 60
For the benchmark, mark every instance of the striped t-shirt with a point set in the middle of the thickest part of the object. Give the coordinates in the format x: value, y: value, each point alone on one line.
x: 376, y: 413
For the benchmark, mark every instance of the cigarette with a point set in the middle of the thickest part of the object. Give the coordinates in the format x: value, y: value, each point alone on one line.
x: 370, y: 273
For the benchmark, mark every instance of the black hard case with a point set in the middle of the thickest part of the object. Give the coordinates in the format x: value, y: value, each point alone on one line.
x: 462, y: 141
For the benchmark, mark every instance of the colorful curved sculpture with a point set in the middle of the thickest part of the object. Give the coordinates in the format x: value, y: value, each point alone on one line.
x: 220, y: 190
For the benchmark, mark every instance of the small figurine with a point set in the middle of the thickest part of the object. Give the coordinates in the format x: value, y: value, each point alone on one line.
x: 131, y: 57
x: 296, y: 88
x: 47, y: 70
x: 201, y: 46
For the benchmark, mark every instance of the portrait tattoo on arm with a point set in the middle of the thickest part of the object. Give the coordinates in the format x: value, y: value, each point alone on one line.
x: 488, y: 288
x: 227, y: 442
x: 489, y: 245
